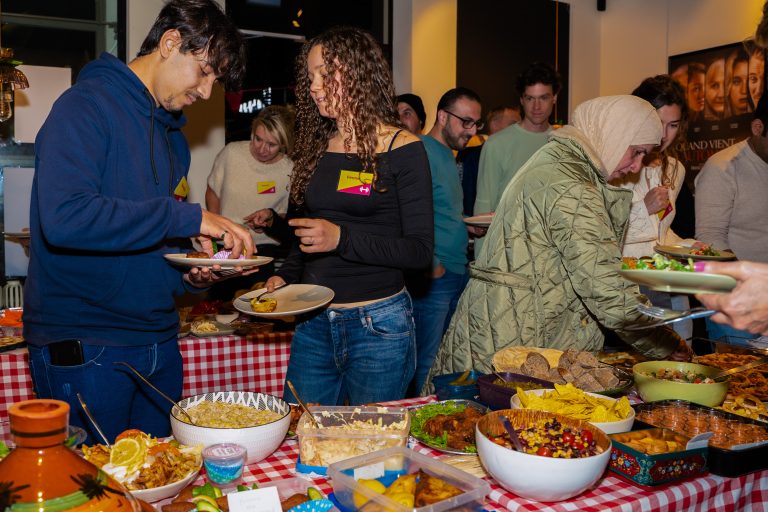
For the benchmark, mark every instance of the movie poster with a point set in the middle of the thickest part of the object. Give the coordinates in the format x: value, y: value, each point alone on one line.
x: 722, y: 85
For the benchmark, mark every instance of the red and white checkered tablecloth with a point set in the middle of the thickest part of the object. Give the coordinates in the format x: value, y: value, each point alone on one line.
x: 257, y: 362
x: 15, y: 378
x: 746, y: 493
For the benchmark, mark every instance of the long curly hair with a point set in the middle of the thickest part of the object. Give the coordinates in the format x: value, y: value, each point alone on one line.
x: 660, y: 91
x: 365, y: 98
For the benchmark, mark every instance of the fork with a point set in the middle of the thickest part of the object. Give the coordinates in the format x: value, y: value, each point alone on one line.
x: 668, y: 316
x: 664, y: 313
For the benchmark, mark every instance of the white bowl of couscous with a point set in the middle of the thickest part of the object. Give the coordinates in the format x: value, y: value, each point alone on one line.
x: 256, y: 421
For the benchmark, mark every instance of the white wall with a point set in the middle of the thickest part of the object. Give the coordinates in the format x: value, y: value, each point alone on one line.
x: 205, y: 120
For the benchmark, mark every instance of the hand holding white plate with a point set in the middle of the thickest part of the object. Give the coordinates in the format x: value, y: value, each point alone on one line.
x: 181, y: 259
x: 291, y: 300
x: 681, y: 282
x: 480, y: 220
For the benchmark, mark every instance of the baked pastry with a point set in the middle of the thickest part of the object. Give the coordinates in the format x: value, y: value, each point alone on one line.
x: 264, y: 305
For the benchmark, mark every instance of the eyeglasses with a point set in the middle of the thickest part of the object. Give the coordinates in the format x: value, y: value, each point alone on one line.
x: 466, y: 122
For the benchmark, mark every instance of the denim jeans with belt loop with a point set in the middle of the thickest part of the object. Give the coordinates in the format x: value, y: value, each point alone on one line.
x: 357, y: 355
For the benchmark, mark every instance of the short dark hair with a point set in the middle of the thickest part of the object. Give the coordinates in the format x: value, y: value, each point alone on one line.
x: 203, y: 26
x: 538, y: 73
x: 416, y: 104
x: 449, y: 98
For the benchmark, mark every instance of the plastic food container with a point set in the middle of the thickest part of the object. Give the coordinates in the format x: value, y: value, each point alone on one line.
x: 397, y: 461
x: 224, y: 463
x: 730, y: 452
x: 447, y: 386
x: 349, y: 431
x: 655, y: 469
x: 498, y: 397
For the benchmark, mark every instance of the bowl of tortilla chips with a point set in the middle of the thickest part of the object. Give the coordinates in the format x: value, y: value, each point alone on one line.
x: 611, y: 415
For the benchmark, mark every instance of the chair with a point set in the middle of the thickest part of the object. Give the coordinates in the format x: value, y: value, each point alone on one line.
x: 13, y: 294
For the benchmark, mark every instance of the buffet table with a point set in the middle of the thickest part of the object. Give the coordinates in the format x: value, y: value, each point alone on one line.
x: 748, y: 492
x: 256, y: 362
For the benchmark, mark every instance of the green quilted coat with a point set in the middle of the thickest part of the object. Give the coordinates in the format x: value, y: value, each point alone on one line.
x: 547, y: 273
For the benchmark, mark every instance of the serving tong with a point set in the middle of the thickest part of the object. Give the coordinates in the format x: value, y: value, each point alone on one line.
x: 738, y: 369
x: 93, y: 421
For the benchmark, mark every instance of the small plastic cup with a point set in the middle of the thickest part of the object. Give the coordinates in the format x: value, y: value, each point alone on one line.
x: 224, y: 463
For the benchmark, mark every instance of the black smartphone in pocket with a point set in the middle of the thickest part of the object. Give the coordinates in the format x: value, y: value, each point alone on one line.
x: 66, y: 353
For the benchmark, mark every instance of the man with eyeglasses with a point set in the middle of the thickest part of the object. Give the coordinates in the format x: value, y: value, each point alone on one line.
x: 436, y: 294
x: 506, y: 151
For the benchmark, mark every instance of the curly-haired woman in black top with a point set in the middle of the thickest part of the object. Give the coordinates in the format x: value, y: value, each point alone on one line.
x: 365, y: 189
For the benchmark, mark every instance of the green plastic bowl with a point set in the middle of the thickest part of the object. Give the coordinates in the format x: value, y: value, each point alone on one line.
x: 652, y: 389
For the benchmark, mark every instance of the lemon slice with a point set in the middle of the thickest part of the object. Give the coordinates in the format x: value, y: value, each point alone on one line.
x: 360, y: 499
x: 127, y: 452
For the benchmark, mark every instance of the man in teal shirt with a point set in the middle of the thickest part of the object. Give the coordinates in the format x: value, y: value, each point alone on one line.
x: 436, y: 295
x: 506, y: 151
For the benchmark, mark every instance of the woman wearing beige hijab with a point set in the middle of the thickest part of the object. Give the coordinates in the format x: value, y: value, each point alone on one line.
x: 547, y: 275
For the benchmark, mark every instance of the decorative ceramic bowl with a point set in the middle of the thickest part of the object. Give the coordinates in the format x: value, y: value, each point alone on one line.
x: 259, y: 440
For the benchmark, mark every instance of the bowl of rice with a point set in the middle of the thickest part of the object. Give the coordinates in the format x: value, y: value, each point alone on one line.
x: 256, y: 421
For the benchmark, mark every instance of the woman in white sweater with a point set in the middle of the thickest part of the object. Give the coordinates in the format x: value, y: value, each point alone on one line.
x: 657, y: 185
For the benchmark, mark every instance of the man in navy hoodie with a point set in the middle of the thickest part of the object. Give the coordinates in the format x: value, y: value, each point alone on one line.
x: 107, y: 203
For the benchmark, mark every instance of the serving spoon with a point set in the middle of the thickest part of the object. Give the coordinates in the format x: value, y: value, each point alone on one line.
x: 512, y: 433
x: 303, y: 405
x: 174, y: 402
x: 742, y: 368
x: 93, y: 421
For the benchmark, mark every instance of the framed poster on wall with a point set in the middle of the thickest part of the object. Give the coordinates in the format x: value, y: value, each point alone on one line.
x: 722, y: 85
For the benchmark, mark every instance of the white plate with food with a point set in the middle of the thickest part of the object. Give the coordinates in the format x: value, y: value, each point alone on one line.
x: 17, y: 234
x: 430, y: 427
x: 206, y: 328
x: 289, y: 300
x: 686, y: 251
x: 483, y: 220
x: 185, y: 261
x: 675, y: 281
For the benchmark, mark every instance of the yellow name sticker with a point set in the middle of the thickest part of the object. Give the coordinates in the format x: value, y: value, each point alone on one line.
x: 354, y: 182
x: 266, y: 187
x: 182, y: 189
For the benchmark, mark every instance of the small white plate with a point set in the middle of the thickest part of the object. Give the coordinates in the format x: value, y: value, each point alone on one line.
x: 684, y: 251
x: 479, y: 220
x: 680, y: 282
x: 181, y: 259
x: 221, y: 330
x: 166, y: 491
x: 293, y: 299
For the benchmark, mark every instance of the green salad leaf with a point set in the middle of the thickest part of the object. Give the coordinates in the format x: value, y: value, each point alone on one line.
x: 420, y: 416
x: 4, y: 450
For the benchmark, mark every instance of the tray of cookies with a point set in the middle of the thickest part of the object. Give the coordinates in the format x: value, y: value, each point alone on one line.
x: 738, y: 446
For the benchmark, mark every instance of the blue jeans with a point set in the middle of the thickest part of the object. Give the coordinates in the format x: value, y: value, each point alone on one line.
x: 361, y: 354
x: 716, y: 331
x: 432, y: 313
x: 117, y: 399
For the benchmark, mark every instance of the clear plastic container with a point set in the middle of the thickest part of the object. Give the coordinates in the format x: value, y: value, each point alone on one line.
x: 397, y: 461
x: 350, y: 431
